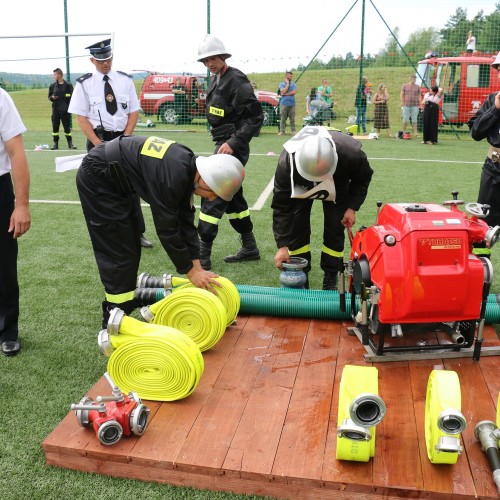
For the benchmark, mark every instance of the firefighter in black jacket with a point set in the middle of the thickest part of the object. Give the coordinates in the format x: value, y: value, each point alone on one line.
x: 318, y: 164
x: 165, y: 174
x: 485, y: 124
x: 235, y: 116
x: 59, y: 95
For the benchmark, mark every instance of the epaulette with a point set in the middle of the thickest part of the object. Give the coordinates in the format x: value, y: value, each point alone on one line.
x: 84, y: 77
x: 126, y: 74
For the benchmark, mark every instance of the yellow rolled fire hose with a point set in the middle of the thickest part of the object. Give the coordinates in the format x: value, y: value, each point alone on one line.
x: 498, y: 410
x: 157, y: 362
x: 195, y: 312
x: 228, y: 294
x: 443, y: 418
x: 360, y: 410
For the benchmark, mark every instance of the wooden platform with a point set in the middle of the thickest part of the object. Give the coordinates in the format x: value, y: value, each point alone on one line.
x: 263, y: 421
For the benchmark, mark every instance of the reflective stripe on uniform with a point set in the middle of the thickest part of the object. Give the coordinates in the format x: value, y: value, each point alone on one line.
x: 209, y: 219
x: 241, y: 215
x: 120, y: 298
x: 331, y: 252
x: 298, y: 251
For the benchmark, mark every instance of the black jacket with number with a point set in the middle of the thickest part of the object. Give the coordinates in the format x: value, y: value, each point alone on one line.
x: 233, y: 101
x: 63, y: 91
x: 485, y: 124
x: 351, y: 177
x: 165, y: 183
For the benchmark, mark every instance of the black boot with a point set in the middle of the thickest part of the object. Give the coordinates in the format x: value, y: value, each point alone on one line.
x: 56, y: 143
x: 330, y: 281
x: 248, y: 250
x: 70, y: 144
x: 107, y: 307
x: 205, y: 251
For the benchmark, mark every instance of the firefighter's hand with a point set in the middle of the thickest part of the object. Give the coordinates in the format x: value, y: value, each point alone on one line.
x: 203, y: 279
x: 349, y: 218
x: 497, y: 100
x: 281, y: 256
x: 225, y: 149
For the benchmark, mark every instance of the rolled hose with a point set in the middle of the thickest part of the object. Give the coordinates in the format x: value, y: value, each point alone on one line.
x: 157, y: 362
x: 195, y: 312
x: 228, y: 294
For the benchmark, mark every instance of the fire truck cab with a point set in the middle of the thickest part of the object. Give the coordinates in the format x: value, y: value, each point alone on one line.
x: 467, y: 80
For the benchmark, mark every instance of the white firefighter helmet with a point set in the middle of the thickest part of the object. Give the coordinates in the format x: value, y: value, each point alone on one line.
x: 496, y: 62
x: 211, y: 46
x: 223, y: 173
x: 317, y: 159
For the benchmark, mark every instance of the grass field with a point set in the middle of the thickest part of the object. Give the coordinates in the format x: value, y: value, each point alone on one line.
x: 61, y: 293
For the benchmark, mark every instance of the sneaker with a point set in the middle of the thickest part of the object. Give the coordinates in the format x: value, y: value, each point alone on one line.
x: 281, y: 133
x: 145, y: 243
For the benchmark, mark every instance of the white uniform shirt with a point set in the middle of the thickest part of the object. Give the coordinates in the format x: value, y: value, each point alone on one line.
x: 10, y: 126
x: 88, y: 100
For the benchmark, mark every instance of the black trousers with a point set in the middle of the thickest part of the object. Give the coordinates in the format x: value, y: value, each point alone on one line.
x: 237, y: 209
x: 58, y: 117
x: 489, y: 191
x: 109, y: 136
x: 113, y: 225
x: 333, y: 234
x: 9, y: 287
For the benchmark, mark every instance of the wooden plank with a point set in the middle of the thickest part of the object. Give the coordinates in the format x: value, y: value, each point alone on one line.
x: 397, y: 461
x: 209, y: 439
x: 253, y: 448
x: 167, y: 432
x: 476, y: 406
x: 447, y: 480
x: 301, y: 449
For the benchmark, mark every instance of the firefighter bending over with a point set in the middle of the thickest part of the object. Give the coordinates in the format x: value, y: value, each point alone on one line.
x: 324, y: 165
x: 165, y: 174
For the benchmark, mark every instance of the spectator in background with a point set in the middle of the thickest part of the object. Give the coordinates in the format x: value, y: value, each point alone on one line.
x: 180, y: 101
x: 381, y: 114
x: 106, y: 106
x: 430, y: 118
x: 485, y: 124
x: 326, y: 93
x: 410, y: 100
x: 471, y: 43
x: 287, y: 90
x: 360, y: 103
x: 15, y: 218
x: 60, y: 95
x: 312, y: 101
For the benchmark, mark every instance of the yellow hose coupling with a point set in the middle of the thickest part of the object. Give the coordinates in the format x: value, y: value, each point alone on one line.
x: 144, y: 280
x: 195, y: 312
x: 158, y: 362
x: 443, y: 417
x: 360, y: 410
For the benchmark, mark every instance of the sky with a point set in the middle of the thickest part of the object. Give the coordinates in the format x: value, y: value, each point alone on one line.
x: 163, y: 35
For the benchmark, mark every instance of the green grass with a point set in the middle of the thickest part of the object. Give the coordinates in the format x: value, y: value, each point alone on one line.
x: 61, y: 295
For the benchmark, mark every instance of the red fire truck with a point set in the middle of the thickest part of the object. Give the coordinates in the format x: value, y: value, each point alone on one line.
x: 467, y: 81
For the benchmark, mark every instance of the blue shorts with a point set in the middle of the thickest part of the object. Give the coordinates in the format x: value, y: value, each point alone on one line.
x: 410, y: 112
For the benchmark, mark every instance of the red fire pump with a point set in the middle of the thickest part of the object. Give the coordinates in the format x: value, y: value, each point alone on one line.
x: 113, y: 416
x: 415, y: 267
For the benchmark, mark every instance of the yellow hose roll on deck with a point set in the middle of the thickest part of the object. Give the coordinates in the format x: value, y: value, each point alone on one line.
x: 358, y: 382
x: 443, y: 418
x: 195, y: 312
x: 228, y: 294
x: 157, y: 362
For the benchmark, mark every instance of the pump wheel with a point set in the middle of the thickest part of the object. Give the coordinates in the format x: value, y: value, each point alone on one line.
x: 476, y: 209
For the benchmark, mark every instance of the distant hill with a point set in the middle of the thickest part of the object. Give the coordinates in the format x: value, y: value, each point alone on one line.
x: 39, y: 81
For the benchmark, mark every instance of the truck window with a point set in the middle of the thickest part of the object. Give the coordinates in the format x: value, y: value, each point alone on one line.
x: 478, y: 76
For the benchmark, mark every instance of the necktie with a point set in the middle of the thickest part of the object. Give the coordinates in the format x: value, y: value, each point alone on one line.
x: 109, y: 95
